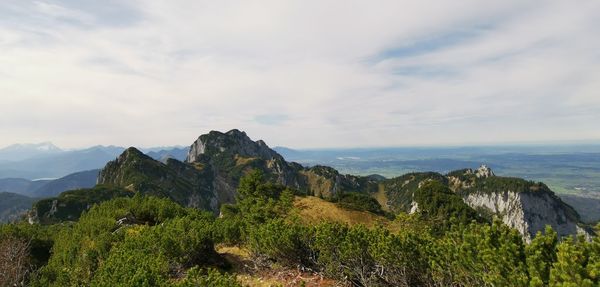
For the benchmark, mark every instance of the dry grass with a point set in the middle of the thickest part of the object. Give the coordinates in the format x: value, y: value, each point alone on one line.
x: 240, y: 160
x: 313, y: 210
x: 198, y: 166
x: 381, y: 197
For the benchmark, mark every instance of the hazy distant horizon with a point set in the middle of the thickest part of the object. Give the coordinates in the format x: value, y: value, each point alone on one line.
x: 549, y: 144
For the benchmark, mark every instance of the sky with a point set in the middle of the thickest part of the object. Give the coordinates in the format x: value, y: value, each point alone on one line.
x: 299, y: 73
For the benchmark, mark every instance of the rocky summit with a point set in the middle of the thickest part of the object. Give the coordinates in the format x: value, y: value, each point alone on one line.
x: 232, y: 142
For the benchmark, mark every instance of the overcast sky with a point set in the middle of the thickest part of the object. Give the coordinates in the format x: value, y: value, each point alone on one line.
x: 299, y: 73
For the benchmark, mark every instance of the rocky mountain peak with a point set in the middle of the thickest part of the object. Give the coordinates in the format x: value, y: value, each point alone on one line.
x: 113, y: 172
x: 129, y: 155
x: 484, y: 172
x: 234, y: 142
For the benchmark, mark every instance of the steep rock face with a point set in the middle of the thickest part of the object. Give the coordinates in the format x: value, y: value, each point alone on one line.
x: 528, y: 212
x: 231, y: 142
x: 229, y: 155
x: 327, y: 182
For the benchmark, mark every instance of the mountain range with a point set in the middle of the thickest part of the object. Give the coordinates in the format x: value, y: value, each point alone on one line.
x: 18, y: 152
x: 210, y: 174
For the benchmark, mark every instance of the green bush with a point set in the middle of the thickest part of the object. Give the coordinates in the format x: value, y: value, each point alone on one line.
x: 577, y: 263
x: 284, y: 242
x: 259, y: 201
x: 541, y: 254
x: 479, y: 255
x: 230, y: 230
x: 358, y: 201
x: 402, y: 258
x: 156, y: 236
x: 437, y: 203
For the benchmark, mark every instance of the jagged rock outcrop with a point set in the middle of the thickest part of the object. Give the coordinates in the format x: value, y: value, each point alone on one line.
x: 232, y: 142
x: 228, y: 156
x: 484, y: 172
x: 524, y: 205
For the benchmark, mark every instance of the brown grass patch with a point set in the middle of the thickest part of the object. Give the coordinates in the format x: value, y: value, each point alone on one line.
x: 240, y: 160
x: 198, y: 166
x: 381, y: 197
x: 313, y: 210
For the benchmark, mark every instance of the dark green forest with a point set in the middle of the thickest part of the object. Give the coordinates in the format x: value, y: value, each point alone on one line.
x: 150, y: 241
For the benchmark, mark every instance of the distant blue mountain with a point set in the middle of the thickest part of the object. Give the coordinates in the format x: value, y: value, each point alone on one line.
x: 83, y: 179
x: 20, y: 185
x: 178, y: 153
x: 59, y: 164
x: 49, y: 188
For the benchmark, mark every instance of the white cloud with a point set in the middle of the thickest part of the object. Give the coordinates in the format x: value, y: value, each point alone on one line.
x: 299, y: 73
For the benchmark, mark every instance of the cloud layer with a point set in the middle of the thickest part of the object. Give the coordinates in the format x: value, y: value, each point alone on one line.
x: 299, y: 73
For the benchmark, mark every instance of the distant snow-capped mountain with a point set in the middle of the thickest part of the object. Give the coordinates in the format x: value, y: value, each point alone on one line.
x: 17, y: 152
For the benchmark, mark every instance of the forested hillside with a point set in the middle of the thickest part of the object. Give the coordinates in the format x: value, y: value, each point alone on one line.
x: 147, y: 241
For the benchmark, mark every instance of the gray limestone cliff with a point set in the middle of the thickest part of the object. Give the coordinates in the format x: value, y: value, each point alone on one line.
x: 528, y: 212
x: 523, y: 205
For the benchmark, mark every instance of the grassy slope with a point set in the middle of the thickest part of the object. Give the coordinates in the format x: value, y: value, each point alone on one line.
x: 381, y: 197
x: 313, y: 210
